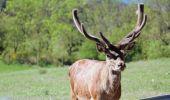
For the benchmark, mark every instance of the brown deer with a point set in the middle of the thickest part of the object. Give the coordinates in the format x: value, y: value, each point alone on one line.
x: 101, y: 80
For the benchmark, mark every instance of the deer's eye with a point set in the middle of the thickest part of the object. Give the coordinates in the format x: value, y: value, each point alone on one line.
x: 111, y: 56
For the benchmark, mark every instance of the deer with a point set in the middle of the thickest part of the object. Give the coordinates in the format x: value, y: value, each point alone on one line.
x: 101, y: 80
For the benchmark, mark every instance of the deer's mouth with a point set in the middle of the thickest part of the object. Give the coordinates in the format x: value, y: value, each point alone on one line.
x: 115, y: 72
x: 123, y: 68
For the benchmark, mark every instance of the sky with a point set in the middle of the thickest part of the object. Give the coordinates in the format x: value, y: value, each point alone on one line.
x: 125, y: 1
x: 133, y: 1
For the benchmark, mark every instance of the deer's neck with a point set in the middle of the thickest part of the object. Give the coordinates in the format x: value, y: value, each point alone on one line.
x: 110, y: 78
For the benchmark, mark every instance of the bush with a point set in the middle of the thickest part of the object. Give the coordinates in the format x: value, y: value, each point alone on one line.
x: 154, y: 49
x: 166, y: 51
x: 135, y: 53
x: 87, y: 50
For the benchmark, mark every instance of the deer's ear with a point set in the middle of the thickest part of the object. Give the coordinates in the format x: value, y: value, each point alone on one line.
x: 100, y: 48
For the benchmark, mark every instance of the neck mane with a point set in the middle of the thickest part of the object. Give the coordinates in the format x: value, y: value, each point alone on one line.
x: 110, y: 79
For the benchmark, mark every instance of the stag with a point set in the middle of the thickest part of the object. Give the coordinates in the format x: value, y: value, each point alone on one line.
x: 101, y: 80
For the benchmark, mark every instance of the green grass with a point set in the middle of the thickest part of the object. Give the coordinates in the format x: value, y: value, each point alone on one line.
x: 146, y: 78
x: 139, y: 80
x: 4, y: 68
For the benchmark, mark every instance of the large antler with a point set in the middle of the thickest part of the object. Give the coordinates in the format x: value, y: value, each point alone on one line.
x: 128, y: 41
x: 82, y: 30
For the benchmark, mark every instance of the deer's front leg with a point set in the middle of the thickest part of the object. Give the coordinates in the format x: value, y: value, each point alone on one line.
x: 73, y: 96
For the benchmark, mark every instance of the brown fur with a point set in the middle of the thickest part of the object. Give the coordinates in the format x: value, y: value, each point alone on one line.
x: 91, y: 79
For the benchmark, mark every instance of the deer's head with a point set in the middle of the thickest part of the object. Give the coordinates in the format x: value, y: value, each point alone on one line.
x: 115, y: 54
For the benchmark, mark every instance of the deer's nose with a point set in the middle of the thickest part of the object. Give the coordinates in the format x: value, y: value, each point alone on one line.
x: 122, y: 65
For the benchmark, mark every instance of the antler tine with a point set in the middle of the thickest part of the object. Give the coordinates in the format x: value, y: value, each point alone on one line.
x: 104, y: 39
x: 141, y: 21
x: 136, y: 32
x: 91, y: 37
x: 76, y: 20
x: 81, y: 28
x: 140, y: 13
x: 139, y: 28
x: 108, y: 42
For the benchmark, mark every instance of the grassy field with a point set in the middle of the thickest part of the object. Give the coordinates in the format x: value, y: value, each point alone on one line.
x: 139, y: 80
x: 5, y: 68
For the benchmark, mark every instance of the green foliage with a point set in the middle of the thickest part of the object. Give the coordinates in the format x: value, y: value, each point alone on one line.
x: 42, y: 31
x: 132, y: 55
x: 87, y: 50
x: 153, y: 49
x: 165, y: 51
x: 33, y: 28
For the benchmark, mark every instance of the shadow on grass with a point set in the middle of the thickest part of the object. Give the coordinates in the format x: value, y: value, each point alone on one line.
x: 163, y: 97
